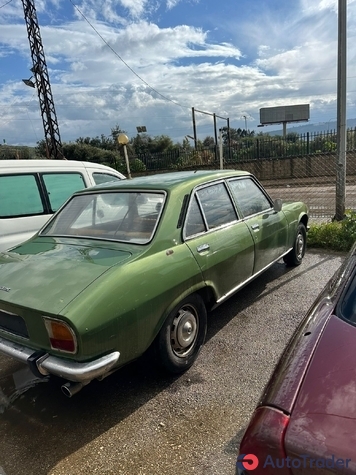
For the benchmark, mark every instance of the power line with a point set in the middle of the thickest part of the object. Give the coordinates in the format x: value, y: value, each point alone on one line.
x: 121, y: 59
x: 2, y: 6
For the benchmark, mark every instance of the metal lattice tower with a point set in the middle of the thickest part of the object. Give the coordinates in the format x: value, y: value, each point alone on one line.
x: 40, y: 72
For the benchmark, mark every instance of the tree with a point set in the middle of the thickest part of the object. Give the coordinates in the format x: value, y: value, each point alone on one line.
x: 103, y: 142
x: 185, y: 145
x: 139, y: 144
x: 143, y: 144
x: 292, y: 137
x: 115, y: 132
x: 235, y: 135
x: 209, y: 142
x: 161, y: 143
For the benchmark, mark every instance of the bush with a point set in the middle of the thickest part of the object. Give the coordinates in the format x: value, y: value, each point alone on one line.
x: 337, y: 235
x: 194, y: 159
x: 137, y: 166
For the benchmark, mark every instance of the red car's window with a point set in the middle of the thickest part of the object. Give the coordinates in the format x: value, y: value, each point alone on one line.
x: 346, y: 308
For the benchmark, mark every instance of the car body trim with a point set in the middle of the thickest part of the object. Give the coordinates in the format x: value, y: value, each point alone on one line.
x: 67, y: 369
x: 238, y: 287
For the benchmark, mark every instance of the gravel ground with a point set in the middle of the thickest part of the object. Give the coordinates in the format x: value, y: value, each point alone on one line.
x: 137, y: 421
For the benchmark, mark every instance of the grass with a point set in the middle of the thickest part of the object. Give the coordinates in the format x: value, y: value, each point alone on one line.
x: 336, y: 235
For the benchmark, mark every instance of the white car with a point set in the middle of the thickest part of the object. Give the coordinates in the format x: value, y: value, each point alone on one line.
x: 32, y: 190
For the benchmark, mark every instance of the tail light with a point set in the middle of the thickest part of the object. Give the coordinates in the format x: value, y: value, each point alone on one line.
x: 61, y: 336
x: 262, y: 447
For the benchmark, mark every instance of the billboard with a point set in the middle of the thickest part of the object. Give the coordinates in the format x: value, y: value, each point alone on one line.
x: 277, y: 115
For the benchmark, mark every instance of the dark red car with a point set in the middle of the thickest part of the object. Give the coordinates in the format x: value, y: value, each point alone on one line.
x: 305, y: 422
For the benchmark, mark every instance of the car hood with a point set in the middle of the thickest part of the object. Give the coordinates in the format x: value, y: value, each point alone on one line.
x: 48, y: 273
x: 323, y: 421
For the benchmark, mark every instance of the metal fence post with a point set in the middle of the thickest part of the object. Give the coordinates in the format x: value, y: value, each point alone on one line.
x: 341, y: 113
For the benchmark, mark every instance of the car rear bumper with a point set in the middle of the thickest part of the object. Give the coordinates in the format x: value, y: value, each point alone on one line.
x: 43, y: 364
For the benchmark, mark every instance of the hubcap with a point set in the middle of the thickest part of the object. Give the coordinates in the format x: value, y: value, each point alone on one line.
x: 184, y: 331
x: 300, y: 246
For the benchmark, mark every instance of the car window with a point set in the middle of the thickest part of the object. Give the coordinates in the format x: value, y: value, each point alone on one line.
x: 60, y: 186
x: 194, y: 222
x: 347, y: 306
x: 19, y: 196
x: 121, y: 216
x: 217, y: 205
x: 249, y: 196
x: 100, y: 178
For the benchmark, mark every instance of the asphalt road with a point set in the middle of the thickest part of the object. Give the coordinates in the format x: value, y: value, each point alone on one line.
x: 137, y: 421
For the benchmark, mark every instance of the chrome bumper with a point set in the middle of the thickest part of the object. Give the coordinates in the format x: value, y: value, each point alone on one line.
x: 71, y: 370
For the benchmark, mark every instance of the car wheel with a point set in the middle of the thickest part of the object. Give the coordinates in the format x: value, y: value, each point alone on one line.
x: 295, y: 256
x: 182, y: 335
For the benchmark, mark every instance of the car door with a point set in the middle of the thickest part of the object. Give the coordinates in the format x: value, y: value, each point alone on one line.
x: 268, y: 227
x: 59, y: 186
x: 220, y: 242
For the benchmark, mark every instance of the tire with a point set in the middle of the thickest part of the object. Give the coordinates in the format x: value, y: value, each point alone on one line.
x: 295, y: 255
x: 182, y: 335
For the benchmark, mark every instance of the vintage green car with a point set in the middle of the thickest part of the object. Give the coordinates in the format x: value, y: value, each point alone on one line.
x: 132, y: 265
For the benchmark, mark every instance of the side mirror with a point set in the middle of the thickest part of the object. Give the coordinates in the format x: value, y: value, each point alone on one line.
x: 277, y: 205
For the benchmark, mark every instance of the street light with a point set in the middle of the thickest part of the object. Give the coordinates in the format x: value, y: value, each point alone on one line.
x: 28, y: 82
x: 124, y: 140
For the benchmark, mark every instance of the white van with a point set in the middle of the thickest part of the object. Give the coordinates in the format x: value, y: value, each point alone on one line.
x: 32, y: 190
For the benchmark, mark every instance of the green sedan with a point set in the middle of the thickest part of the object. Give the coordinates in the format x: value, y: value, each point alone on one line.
x: 137, y: 264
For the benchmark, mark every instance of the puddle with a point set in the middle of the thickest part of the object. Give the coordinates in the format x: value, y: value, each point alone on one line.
x: 12, y: 387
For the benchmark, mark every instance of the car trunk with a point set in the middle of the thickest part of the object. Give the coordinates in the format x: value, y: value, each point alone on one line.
x: 323, y: 422
x: 60, y: 268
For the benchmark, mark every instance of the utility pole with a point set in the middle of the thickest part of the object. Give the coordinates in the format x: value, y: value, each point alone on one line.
x: 245, y: 117
x: 194, y: 130
x: 40, y: 72
x: 341, y: 113
x: 215, y: 130
x: 221, y: 155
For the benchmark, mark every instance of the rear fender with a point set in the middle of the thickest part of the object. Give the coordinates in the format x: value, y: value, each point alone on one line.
x: 200, y: 289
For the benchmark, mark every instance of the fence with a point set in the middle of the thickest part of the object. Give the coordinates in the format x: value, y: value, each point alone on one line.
x: 299, y: 167
x: 308, y: 179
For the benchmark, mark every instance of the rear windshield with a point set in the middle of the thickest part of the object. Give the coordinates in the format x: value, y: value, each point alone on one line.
x: 119, y: 216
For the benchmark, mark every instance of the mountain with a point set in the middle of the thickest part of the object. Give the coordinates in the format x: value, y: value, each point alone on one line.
x: 307, y: 127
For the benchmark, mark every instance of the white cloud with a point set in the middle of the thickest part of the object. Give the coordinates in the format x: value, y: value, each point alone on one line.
x: 272, y: 59
x: 136, y: 7
x: 320, y: 5
x: 172, y: 3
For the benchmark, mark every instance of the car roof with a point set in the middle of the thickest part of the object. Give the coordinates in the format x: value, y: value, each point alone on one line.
x: 169, y: 181
x: 48, y: 164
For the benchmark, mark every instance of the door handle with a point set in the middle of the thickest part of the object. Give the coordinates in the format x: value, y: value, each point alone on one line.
x: 203, y: 247
x: 255, y: 227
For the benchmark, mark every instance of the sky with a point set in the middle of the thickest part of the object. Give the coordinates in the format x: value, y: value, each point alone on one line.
x: 132, y: 63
